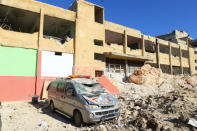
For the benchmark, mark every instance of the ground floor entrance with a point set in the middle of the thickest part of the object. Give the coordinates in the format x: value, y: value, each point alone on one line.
x: 120, y: 68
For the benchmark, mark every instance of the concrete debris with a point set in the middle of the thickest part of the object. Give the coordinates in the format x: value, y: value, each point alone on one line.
x: 100, y: 128
x: 148, y: 75
x: 42, y: 125
x: 163, y: 102
x: 192, y: 80
x: 192, y: 123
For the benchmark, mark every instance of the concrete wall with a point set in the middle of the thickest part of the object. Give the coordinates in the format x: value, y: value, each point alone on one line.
x: 35, y: 6
x: 18, y: 69
x: 86, y: 31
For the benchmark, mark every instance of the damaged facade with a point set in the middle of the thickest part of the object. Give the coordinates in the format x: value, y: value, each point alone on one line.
x: 41, y: 42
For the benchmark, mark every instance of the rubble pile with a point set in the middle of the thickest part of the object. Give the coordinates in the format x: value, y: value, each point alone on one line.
x: 166, y: 105
x: 148, y: 75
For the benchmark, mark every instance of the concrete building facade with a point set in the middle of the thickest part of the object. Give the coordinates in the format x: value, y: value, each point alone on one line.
x: 41, y: 42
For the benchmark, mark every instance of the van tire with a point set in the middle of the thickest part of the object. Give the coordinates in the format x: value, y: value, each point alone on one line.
x: 51, y: 106
x: 77, y: 118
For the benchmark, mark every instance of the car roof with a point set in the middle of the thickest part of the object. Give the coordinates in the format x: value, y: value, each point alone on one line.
x: 83, y: 81
x: 77, y: 80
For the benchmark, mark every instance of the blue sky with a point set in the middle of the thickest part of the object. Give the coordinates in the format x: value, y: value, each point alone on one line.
x: 151, y: 17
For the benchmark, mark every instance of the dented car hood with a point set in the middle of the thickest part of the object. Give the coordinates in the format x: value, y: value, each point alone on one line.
x: 103, y: 99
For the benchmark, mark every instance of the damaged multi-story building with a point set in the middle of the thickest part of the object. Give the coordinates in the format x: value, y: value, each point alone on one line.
x: 41, y: 42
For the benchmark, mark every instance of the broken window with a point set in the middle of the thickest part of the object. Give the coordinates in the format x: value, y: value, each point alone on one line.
x: 150, y: 47
x: 98, y: 73
x: 164, y: 49
x: 186, y: 70
x: 58, y: 29
x: 113, y: 38
x: 98, y: 42
x: 185, y: 53
x: 98, y: 56
x: 165, y: 68
x: 133, y: 42
x: 175, y: 51
x: 19, y: 20
x: 176, y: 70
x: 98, y: 14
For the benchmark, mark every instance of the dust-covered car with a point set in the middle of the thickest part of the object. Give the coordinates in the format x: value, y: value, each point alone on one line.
x: 83, y: 99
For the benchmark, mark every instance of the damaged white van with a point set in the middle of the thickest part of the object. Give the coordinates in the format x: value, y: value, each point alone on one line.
x: 83, y: 99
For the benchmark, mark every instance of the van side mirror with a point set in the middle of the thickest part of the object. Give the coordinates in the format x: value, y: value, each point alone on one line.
x: 70, y: 92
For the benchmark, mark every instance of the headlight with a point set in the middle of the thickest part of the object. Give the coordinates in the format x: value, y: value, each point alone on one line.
x: 117, y: 104
x: 93, y: 107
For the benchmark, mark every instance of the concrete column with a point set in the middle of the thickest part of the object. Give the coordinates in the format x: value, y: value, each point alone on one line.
x: 40, y: 34
x: 125, y: 42
x: 143, y: 46
x: 187, y: 41
x: 170, y: 57
x: 180, y: 59
x: 126, y: 68
x: 190, y: 60
x: 158, y: 53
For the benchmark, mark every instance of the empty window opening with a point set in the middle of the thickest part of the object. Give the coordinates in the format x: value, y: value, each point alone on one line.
x: 98, y: 14
x: 58, y: 53
x: 113, y: 38
x: 150, y: 47
x: 186, y: 70
x: 58, y: 29
x: 98, y: 73
x: 175, y: 51
x: 18, y: 20
x: 185, y: 53
x: 98, y: 56
x: 164, y: 49
x: 133, y: 43
x: 98, y: 42
x: 176, y: 70
x: 165, y: 68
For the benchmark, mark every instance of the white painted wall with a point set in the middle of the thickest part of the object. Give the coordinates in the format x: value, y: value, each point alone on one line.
x: 56, y: 66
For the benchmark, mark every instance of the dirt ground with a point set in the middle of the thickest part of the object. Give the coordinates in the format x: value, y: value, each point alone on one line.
x: 23, y: 116
x: 160, y: 102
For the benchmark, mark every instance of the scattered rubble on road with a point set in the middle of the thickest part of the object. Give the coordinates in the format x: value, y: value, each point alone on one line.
x: 162, y: 102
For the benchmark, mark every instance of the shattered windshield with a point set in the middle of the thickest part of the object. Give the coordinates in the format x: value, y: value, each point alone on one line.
x: 90, y: 90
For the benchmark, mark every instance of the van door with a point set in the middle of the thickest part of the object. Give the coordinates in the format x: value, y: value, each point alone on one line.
x: 60, y: 95
x: 70, y: 99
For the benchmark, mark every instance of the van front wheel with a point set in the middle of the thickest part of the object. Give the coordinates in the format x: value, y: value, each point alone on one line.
x: 77, y: 118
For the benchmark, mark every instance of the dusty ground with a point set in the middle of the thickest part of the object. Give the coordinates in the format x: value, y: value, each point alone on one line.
x: 23, y: 116
x: 162, y: 102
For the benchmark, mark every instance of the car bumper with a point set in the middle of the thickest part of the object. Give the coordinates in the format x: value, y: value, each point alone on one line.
x: 103, y: 115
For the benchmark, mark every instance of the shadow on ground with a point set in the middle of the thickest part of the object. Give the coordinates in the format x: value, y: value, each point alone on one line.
x: 43, y: 105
